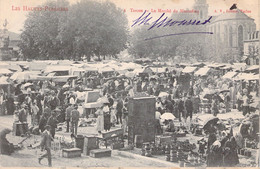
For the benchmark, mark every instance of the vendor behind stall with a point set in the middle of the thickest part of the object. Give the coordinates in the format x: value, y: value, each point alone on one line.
x: 5, y: 146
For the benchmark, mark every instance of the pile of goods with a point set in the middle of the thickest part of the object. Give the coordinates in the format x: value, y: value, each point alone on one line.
x: 251, y: 144
x: 244, y: 152
x: 147, y: 149
x: 186, y: 145
x: 117, y: 144
x: 176, y: 147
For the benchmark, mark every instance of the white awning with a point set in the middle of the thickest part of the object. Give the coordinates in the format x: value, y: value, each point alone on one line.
x: 189, y: 69
x: 229, y: 75
x: 158, y: 69
x: 247, y: 76
x: 106, y: 69
x: 202, y: 71
x: 49, y: 69
x: 253, y: 67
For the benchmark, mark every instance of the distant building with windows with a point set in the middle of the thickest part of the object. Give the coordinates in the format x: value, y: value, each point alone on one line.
x: 251, y: 48
x: 230, y: 30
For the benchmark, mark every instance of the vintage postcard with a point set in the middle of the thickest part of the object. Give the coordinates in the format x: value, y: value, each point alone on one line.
x: 137, y: 83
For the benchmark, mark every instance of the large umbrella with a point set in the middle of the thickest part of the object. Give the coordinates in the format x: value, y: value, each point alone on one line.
x: 168, y: 116
x: 210, y: 120
x: 163, y: 94
x: 103, y: 100
x: 27, y: 85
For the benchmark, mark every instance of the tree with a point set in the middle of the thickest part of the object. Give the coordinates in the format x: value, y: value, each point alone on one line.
x: 94, y: 29
x: 41, y: 28
x: 185, y: 45
x: 88, y: 28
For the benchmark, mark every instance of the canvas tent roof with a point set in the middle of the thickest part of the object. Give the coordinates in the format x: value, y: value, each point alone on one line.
x: 189, y: 69
x: 105, y: 69
x: 202, y: 71
x: 247, y: 76
x: 158, y: 69
x: 253, y: 67
x: 229, y: 75
x: 49, y: 69
x: 3, y: 80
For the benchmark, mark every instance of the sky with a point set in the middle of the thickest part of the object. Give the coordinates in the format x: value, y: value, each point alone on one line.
x: 16, y: 18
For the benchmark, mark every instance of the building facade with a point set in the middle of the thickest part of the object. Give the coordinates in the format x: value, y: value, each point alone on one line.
x: 230, y: 30
x: 251, y: 48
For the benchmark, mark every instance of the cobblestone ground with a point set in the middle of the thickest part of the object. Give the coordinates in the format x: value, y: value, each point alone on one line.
x: 28, y: 157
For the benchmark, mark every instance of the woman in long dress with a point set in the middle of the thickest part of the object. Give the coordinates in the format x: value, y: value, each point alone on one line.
x: 100, y: 119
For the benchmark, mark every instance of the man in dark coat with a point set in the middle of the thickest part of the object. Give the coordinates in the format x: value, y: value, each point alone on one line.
x: 23, y: 114
x: 54, y: 101
x: 52, y: 122
x: 111, y: 100
x: 10, y: 105
x: 46, y: 145
x: 43, y: 121
x: 74, y: 120
x: 188, y: 107
x: 119, y: 110
x: 181, y: 109
x: 39, y: 98
x: 68, y: 116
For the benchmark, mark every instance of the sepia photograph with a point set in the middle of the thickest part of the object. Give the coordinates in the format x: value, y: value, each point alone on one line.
x: 129, y: 83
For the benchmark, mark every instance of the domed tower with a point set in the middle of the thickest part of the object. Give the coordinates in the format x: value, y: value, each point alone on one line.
x: 202, y: 7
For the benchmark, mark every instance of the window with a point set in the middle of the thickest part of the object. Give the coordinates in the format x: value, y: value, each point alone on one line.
x: 240, y: 39
x: 230, y: 37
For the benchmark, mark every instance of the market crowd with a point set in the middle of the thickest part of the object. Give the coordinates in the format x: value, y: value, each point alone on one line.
x: 48, y: 104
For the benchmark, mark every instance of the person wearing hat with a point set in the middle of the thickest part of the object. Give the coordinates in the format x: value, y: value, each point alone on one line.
x: 23, y: 113
x: 5, y: 146
x: 10, y: 106
x: 54, y: 100
x: 34, y: 110
x: 46, y: 145
x: 74, y: 120
x: 246, y: 101
x: 119, y: 110
x: 68, y: 116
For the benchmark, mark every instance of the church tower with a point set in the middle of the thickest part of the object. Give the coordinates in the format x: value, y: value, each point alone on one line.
x: 202, y: 7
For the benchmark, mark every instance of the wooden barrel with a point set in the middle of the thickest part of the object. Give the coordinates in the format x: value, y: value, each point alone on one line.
x: 138, y: 141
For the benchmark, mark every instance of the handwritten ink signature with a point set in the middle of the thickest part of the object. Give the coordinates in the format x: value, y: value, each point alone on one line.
x: 174, y: 34
x: 145, y: 20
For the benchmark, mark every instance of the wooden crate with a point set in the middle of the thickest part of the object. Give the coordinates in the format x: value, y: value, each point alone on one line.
x: 116, y: 146
x: 79, y: 142
x: 20, y: 128
x: 163, y: 139
x: 90, y: 143
x: 98, y: 153
x: 71, y: 153
x: 108, y: 134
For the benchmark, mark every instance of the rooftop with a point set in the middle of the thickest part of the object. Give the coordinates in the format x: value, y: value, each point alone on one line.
x: 235, y: 14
